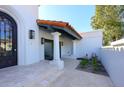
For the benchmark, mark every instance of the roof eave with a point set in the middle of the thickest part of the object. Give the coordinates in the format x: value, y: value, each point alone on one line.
x: 71, y: 32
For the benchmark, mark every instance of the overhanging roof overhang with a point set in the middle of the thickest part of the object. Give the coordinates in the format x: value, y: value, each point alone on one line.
x: 62, y: 27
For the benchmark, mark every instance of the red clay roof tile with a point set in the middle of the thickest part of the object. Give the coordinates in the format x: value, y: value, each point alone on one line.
x: 57, y: 23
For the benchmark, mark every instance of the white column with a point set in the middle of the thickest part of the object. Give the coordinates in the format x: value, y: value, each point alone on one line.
x: 74, y: 48
x: 56, y: 46
x: 56, y: 56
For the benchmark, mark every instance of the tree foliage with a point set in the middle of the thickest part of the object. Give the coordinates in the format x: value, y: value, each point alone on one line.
x: 107, y: 17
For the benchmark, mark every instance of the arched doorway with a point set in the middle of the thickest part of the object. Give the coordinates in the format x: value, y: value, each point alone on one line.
x: 8, y: 41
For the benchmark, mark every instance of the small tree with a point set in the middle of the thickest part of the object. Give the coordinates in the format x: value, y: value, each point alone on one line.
x: 107, y: 17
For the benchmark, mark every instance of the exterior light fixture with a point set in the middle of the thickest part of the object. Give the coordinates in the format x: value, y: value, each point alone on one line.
x: 42, y: 40
x: 61, y: 43
x: 31, y: 34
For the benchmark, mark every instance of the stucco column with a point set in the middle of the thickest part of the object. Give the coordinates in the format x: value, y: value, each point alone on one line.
x: 74, y: 48
x: 56, y: 55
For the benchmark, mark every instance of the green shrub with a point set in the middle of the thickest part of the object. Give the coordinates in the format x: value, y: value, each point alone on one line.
x: 95, y: 63
x: 84, y: 62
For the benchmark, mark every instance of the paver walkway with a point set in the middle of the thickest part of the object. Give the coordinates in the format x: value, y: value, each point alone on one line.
x: 75, y: 78
x: 44, y: 74
x: 35, y: 75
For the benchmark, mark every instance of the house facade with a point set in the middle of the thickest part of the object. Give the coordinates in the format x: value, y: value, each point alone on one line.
x: 25, y: 39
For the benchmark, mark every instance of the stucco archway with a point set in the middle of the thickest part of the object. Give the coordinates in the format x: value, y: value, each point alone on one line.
x: 8, y: 41
x: 11, y: 10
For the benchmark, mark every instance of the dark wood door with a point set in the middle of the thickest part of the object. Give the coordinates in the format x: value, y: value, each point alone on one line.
x: 8, y: 41
x: 48, y: 46
x: 48, y: 49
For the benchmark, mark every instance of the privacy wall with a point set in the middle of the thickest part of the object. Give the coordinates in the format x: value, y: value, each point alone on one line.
x: 113, y: 61
x: 90, y: 43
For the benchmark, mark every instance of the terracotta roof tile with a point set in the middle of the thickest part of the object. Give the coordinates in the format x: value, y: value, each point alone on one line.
x: 57, y: 23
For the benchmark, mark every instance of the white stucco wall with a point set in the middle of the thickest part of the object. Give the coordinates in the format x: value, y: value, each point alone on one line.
x: 90, y: 43
x: 67, y: 48
x: 113, y: 60
x: 25, y: 17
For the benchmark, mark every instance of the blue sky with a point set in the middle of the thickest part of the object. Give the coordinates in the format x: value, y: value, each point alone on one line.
x: 79, y: 16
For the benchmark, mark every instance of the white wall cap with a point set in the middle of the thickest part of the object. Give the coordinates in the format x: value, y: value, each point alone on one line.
x: 95, y: 33
x: 118, y: 42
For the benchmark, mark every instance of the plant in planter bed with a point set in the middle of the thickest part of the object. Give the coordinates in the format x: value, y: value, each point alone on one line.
x: 95, y: 63
x: 84, y: 62
x: 92, y: 65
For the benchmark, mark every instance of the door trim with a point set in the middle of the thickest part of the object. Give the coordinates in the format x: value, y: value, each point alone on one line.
x: 15, y: 35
